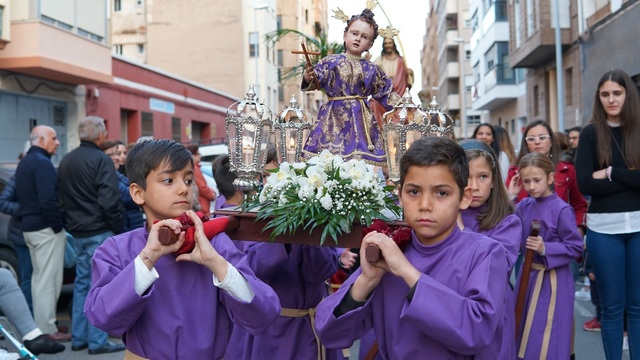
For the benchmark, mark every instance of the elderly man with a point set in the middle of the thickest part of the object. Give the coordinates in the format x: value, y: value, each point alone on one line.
x: 42, y: 226
x: 91, y: 200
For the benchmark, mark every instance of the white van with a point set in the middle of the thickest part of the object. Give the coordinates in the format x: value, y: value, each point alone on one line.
x: 210, y: 152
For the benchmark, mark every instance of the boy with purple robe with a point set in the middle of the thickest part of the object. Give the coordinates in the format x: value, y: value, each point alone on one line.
x: 168, y: 307
x: 441, y: 297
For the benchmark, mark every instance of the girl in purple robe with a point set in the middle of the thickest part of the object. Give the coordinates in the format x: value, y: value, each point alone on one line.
x: 346, y: 125
x: 491, y: 214
x: 548, y: 316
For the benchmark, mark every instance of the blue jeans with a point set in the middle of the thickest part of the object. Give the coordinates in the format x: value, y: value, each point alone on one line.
x: 25, y: 270
x: 616, y: 264
x: 82, y: 332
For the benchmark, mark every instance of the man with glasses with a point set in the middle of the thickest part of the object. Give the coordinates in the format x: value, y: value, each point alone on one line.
x: 42, y: 226
x: 91, y: 201
x: 574, y: 137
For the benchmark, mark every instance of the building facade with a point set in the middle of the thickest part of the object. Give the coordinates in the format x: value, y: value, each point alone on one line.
x: 607, y: 28
x: 42, y: 82
x: 532, y: 46
x: 144, y: 101
x: 217, y: 43
x: 446, y: 68
x: 498, y: 90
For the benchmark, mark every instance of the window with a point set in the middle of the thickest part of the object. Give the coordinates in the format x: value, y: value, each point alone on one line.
x: 140, y: 48
x: 306, y: 16
x: 452, y: 21
x: 280, y: 93
x: 117, y: 49
x: 253, y: 44
x: 568, y: 86
x: 279, y: 22
x: 176, y: 129
x: 147, y: 124
x: 280, y: 57
x: 139, y: 2
x: 117, y: 5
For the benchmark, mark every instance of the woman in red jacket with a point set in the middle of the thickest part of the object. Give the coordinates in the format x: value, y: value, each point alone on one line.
x: 538, y: 137
x: 205, y: 193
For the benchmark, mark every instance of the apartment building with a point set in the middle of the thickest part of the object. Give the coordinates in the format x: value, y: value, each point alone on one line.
x: 532, y: 46
x: 48, y: 50
x: 498, y: 90
x: 608, y: 32
x: 217, y: 43
x: 446, y: 68
x: 310, y: 18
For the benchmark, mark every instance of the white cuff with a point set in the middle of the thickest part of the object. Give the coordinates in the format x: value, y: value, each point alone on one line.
x: 235, y: 284
x: 144, y: 277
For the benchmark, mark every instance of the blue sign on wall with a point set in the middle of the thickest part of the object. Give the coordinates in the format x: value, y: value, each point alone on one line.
x: 162, y: 106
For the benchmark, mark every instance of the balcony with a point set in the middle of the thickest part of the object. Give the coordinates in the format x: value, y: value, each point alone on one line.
x: 453, y: 69
x: 48, y: 52
x: 500, y: 86
x: 453, y: 102
x: 538, y: 37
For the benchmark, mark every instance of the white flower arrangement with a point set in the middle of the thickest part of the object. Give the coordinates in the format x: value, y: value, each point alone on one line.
x: 324, y: 192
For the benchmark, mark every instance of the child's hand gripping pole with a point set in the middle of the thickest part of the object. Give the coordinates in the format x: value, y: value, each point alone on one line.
x: 309, y: 64
x: 524, y: 281
x: 211, y: 228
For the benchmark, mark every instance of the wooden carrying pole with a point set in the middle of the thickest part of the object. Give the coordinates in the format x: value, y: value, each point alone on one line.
x: 524, y: 280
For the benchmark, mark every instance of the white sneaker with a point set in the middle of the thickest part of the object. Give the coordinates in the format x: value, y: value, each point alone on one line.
x: 583, y: 295
x: 625, y: 343
x: 4, y: 355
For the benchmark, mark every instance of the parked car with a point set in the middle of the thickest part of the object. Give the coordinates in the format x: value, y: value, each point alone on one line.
x: 8, y: 258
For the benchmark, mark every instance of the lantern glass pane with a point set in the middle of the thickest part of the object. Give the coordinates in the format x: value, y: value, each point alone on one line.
x: 233, y: 152
x: 248, y: 143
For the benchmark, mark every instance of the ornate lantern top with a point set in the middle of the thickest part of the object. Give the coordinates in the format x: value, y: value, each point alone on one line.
x: 440, y: 123
x: 292, y: 128
x: 404, y: 124
x: 249, y: 124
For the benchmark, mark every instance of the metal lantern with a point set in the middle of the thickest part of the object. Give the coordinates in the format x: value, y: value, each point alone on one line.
x: 440, y: 123
x: 249, y: 125
x: 402, y: 126
x: 292, y: 127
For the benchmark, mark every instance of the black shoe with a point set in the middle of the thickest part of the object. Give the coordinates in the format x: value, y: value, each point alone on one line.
x: 78, y: 347
x: 108, y: 347
x: 43, y: 345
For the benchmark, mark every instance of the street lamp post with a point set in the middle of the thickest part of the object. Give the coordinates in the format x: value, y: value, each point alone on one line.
x: 257, y: 54
x: 463, y: 85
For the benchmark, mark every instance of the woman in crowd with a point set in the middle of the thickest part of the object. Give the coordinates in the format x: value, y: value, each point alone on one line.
x: 608, y: 164
x: 538, y: 137
x: 487, y: 134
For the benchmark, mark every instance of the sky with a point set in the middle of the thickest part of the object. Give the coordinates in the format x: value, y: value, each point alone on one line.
x: 407, y: 16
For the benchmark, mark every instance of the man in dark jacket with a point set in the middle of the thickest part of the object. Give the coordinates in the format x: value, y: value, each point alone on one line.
x: 93, y: 213
x: 42, y: 226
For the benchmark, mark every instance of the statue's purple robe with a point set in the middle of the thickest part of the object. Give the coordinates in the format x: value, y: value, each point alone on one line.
x: 455, y: 310
x: 182, y: 315
x: 507, y: 232
x: 341, y: 122
x: 298, y: 278
x: 552, y: 320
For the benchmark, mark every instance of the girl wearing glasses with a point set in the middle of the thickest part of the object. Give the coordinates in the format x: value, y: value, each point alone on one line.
x: 608, y: 161
x: 538, y: 137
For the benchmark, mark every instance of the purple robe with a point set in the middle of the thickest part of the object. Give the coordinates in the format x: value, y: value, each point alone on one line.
x: 182, y: 315
x: 507, y: 232
x: 455, y: 311
x: 550, y: 327
x: 298, y: 277
x: 347, y: 126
